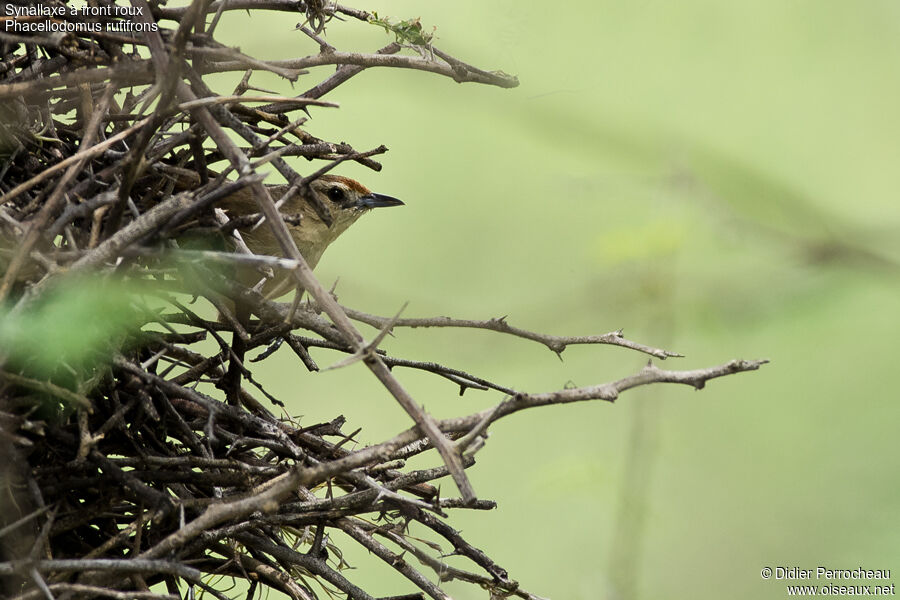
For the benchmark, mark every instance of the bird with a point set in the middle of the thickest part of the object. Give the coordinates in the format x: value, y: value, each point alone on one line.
x: 346, y: 199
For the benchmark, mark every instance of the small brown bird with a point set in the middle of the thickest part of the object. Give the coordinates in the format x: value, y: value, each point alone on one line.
x: 346, y: 199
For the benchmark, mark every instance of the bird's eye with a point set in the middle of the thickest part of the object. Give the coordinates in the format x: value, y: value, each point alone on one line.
x: 335, y: 194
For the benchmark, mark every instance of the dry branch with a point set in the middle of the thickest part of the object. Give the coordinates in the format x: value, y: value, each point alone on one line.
x: 150, y: 453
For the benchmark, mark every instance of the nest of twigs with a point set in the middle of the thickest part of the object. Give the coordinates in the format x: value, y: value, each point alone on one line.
x: 142, y: 457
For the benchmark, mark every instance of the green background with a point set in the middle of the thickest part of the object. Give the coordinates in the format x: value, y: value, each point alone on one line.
x: 719, y: 179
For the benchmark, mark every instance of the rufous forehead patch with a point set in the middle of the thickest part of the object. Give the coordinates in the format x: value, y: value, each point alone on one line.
x: 349, y: 183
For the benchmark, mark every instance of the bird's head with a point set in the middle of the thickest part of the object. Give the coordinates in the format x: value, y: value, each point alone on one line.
x: 345, y: 198
x: 345, y: 194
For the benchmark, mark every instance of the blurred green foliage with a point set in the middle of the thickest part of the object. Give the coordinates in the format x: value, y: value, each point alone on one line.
x: 70, y: 331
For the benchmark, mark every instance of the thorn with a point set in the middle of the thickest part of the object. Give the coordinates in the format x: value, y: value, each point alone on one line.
x: 388, y: 327
x: 369, y: 349
x: 346, y: 362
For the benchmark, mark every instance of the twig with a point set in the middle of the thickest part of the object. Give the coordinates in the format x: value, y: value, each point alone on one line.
x: 555, y: 343
x: 459, y: 72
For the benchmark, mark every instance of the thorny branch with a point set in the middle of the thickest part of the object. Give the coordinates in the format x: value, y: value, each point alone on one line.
x: 124, y: 466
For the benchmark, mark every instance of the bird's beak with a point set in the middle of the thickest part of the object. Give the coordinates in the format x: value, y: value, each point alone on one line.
x: 373, y: 200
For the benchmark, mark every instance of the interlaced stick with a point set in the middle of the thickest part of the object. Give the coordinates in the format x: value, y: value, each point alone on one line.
x: 124, y: 465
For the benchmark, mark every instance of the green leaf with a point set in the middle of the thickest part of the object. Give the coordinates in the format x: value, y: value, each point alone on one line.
x: 76, y: 326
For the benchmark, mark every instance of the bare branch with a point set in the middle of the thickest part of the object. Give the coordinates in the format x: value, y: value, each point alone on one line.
x: 555, y: 343
x: 459, y: 71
